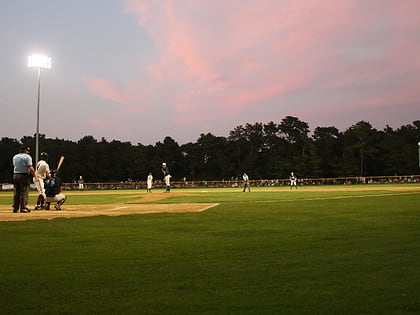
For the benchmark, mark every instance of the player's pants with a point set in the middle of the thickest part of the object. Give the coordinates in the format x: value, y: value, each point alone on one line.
x: 59, y: 198
x: 39, y: 184
x: 168, y: 183
x: 293, y: 182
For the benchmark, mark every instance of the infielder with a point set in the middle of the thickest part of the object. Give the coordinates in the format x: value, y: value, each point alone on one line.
x: 246, y: 182
x: 293, y: 180
x: 42, y: 172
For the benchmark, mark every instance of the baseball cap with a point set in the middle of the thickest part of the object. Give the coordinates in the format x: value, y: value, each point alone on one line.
x: 163, y: 164
x: 25, y: 148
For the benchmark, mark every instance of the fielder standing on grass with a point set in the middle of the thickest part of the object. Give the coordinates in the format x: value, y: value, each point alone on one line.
x: 42, y: 171
x: 22, y: 169
x: 293, y: 180
x: 81, y: 183
x: 246, y: 182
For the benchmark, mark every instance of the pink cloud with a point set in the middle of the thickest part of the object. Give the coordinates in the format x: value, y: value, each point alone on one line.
x: 95, y: 122
x: 106, y: 90
x: 135, y: 98
x: 220, y: 58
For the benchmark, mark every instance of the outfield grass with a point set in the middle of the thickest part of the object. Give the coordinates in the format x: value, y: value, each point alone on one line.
x: 310, y: 251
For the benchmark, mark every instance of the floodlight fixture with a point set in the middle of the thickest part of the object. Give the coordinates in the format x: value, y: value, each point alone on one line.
x: 38, y: 62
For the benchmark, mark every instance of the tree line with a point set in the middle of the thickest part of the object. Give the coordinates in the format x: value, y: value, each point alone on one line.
x: 264, y: 151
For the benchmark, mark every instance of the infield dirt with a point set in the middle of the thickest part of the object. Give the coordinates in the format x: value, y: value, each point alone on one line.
x: 114, y: 209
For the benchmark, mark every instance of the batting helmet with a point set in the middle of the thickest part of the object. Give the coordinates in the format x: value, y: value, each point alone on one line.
x: 44, y: 155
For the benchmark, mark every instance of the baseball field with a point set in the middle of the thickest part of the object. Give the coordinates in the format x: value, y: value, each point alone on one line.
x: 315, y: 250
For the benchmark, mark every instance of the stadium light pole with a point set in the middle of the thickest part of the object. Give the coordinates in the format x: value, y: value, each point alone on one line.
x: 418, y: 143
x: 38, y: 62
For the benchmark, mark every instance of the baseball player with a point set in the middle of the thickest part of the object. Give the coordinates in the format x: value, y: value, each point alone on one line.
x: 293, y: 180
x: 246, y: 182
x: 149, y: 182
x: 53, y: 191
x: 81, y: 183
x: 166, y: 177
x: 42, y: 172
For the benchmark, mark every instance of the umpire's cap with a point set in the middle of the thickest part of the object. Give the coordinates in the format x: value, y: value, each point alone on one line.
x: 24, y: 148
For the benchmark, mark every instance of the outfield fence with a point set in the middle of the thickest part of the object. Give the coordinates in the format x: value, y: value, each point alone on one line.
x: 238, y: 183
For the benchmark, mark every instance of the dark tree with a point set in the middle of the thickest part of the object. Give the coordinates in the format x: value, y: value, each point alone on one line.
x: 327, y: 151
x: 264, y: 151
x: 359, y: 146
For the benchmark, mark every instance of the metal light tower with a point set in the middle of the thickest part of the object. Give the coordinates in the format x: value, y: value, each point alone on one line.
x: 419, y: 152
x: 38, y: 62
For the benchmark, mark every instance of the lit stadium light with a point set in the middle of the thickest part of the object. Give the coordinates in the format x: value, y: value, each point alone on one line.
x: 38, y: 62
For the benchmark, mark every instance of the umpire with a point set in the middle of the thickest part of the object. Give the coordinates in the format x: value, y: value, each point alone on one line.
x: 22, y: 169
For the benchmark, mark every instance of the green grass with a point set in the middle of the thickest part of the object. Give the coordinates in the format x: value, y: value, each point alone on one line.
x: 264, y: 252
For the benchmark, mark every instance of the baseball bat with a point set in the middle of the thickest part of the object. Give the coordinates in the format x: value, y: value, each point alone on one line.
x: 60, y: 162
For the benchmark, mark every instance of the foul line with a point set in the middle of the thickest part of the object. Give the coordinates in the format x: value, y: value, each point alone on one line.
x: 342, y: 197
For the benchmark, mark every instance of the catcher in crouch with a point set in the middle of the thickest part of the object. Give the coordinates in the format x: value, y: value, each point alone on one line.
x: 42, y: 172
x: 53, y: 188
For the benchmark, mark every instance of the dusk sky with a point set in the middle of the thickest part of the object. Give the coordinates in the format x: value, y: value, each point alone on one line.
x: 141, y: 70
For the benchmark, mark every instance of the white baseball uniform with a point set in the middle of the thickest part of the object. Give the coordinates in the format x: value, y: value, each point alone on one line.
x: 149, y: 182
x: 41, y: 172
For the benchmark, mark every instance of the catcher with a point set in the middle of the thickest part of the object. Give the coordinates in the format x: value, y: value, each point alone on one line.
x: 53, y: 188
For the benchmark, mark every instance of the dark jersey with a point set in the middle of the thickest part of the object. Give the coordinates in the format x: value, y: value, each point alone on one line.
x: 52, y: 186
x: 165, y: 171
